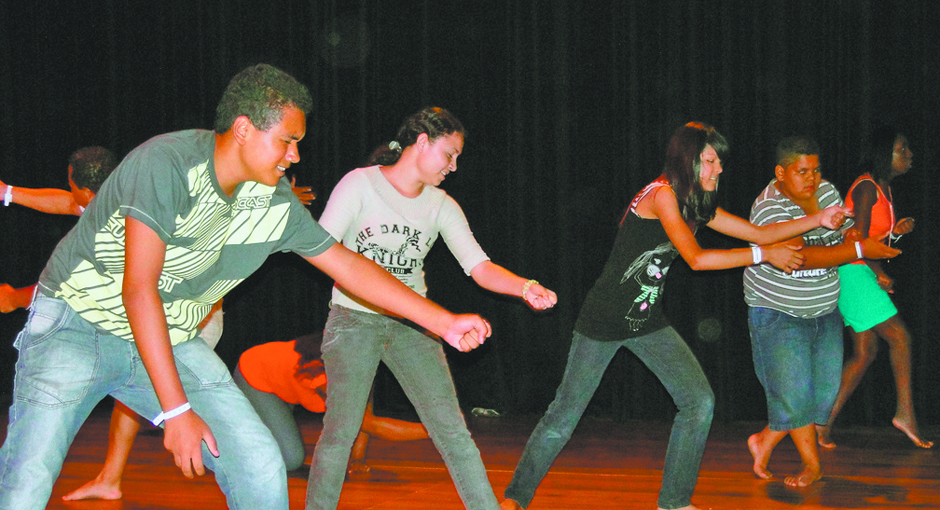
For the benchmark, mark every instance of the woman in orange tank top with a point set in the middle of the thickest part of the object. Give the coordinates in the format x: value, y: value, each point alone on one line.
x: 864, y: 301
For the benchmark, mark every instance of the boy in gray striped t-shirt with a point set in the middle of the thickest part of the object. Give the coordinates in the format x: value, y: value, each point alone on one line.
x: 796, y: 329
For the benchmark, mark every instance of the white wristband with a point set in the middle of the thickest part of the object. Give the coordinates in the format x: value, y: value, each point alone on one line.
x: 172, y: 413
x: 858, y: 249
x: 8, y: 196
x: 756, y: 254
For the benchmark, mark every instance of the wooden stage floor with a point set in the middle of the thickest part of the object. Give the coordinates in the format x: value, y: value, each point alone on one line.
x: 606, y: 465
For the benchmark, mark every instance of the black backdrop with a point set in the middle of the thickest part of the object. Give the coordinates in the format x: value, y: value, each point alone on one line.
x: 568, y: 105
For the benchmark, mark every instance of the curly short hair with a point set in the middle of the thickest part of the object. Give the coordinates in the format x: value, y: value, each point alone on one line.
x: 91, y: 166
x: 260, y: 92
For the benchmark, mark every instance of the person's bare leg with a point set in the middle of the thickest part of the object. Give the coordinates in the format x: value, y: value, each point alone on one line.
x: 762, y: 444
x: 390, y: 428
x: 107, y: 485
x: 805, y: 440
x: 864, y: 350
x: 357, y: 462
x: 895, y: 333
x: 383, y: 428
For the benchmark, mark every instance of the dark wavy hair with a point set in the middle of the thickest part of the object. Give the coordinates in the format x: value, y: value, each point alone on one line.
x: 91, y: 166
x: 260, y: 92
x: 683, y: 166
x: 435, y: 122
x: 877, y: 154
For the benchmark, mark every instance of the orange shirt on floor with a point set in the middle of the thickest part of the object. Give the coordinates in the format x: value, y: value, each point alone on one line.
x: 272, y: 368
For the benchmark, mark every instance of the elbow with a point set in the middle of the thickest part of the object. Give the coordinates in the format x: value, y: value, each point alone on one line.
x: 697, y: 263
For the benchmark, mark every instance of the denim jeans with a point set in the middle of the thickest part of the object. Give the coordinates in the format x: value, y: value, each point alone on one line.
x: 799, y: 363
x: 669, y: 358
x: 353, y: 344
x: 66, y: 367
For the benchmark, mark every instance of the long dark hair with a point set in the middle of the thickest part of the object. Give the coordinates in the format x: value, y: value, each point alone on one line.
x: 877, y: 155
x: 435, y: 122
x: 683, y: 165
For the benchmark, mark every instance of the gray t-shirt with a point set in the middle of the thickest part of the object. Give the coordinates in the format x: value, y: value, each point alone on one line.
x: 213, y: 241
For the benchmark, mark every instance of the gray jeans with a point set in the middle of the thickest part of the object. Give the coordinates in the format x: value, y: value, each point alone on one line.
x: 278, y: 416
x: 353, y: 344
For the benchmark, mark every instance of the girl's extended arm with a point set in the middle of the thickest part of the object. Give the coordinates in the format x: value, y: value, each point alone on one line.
x: 662, y: 204
x: 496, y: 278
x: 734, y: 226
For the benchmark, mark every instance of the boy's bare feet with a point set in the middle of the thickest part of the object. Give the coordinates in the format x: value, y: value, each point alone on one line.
x: 510, y: 504
x: 822, y: 435
x: 95, y: 489
x: 761, y: 456
x: 804, y: 478
x: 911, y: 432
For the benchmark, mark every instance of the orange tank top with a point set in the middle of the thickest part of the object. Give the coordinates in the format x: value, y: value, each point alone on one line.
x: 882, y: 213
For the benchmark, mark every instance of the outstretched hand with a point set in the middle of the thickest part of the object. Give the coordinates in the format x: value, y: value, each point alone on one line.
x: 834, y: 216
x: 12, y: 299
x: 875, y: 248
x: 467, y: 332
x: 785, y: 256
x: 183, y: 436
x: 540, y: 298
x: 7, y: 298
x: 305, y: 194
x: 904, y: 226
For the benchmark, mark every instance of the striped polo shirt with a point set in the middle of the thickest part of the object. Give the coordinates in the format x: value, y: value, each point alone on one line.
x: 803, y: 293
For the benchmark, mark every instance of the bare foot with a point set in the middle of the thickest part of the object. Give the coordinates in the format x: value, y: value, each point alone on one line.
x: 510, y: 504
x: 95, y: 489
x: 911, y: 432
x: 822, y: 436
x: 760, y: 457
x: 804, y: 478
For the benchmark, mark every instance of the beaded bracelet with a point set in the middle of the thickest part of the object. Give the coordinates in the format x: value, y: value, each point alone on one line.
x: 525, y: 288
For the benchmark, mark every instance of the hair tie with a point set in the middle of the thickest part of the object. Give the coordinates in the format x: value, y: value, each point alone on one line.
x: 395, y: 146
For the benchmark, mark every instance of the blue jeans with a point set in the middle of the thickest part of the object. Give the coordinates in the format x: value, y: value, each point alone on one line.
x: 799, y: 363
x: 66, y: 367
x: 353, y: 344
x: 669, y: 358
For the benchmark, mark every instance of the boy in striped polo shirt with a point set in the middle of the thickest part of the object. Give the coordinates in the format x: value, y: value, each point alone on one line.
x: 795, y: 326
